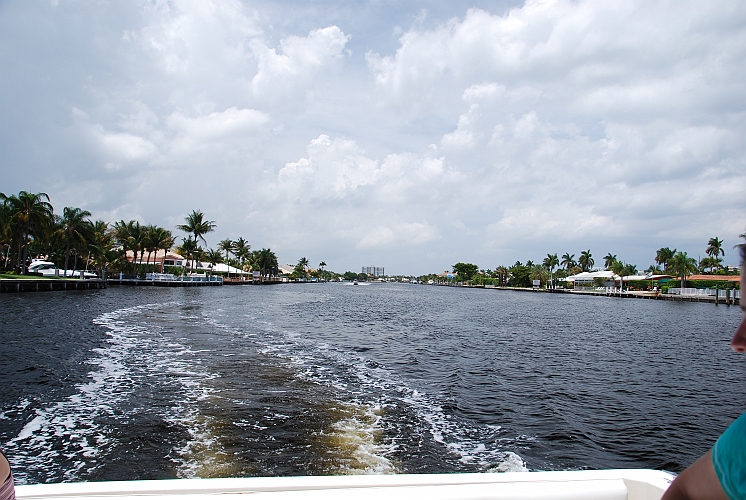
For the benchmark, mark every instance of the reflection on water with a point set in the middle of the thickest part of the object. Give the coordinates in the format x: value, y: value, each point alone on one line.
x: 334, y: 379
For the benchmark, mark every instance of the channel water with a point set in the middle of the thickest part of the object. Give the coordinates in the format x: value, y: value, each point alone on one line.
x: 309, y: 379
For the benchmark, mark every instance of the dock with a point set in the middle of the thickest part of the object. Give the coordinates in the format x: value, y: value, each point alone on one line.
x: 49, y: 285
x: 170, y: 283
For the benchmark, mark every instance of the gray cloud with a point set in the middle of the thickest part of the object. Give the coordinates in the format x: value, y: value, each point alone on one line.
x: 387, y: 134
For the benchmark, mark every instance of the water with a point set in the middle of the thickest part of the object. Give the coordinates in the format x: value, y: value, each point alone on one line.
x: 149, y: 383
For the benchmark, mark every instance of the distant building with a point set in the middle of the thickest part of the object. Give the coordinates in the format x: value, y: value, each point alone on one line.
x: 373, y: 271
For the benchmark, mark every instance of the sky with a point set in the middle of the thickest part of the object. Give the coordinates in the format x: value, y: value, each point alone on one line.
x: 409, y: 135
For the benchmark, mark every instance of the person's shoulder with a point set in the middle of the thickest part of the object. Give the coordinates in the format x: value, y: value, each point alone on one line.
x: 729, y: 458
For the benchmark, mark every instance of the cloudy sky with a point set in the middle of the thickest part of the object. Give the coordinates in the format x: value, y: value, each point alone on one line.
x: 409, y: 135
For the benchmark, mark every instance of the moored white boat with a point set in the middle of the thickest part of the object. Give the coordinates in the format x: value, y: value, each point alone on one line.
x: 629, y: 484
x: 48, y: 269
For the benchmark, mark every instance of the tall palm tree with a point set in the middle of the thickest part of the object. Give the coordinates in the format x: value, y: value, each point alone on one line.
x: 100, y: 245
x: 568, y: 261
x: 75, y: 230
x: 586, y: 260
x: 322, y: 265
x: 31, y: 213
x: 618, y: 268
x: 266, y: 260
x: 228, y: 246
x: 683, y: 266
x: 663, y: 256
x: 715, y: 247
x: 197, y: 225
x: 242, y: 250
x: 715, y: 250
x: 609, y: 260
x: 188, y: 248
x: 502, y: 274
x: 550, y: 262
x: 161, y: 239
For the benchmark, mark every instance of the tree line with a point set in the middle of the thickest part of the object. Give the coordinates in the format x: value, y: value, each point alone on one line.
x: 554, y: 268
x: 29, y: 229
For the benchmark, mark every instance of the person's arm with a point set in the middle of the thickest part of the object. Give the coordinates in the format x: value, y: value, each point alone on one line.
x: 698, y: 481
x: 4, y: 469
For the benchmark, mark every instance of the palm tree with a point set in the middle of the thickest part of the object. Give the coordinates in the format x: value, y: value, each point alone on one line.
x: 322, y: 265
x: 683, y: 266
x: 266, y: 260
x: 663, y: 256
x: 188, y: 248
x: 539, y: 273
x: 100, y: 245
x: 586, y: 260
x: 242, y: 250
x: 31, y: 213
x: 502, y: 274
x: 228, y: 246
x: 75, y: 229
x: 653, y: 269
x: 568, y: 261
x: 550, y: 262
x: 617, y: 267
x: 609, y: 260
x: 122, y: 233
x: 213, y: 257
x: 715, y: 250
x: 197, y: 225
x: 715, y: 247
x: 160, y: 239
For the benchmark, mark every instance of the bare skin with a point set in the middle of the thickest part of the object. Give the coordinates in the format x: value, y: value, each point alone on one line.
x: 4, y: 469
x: 699, y: 480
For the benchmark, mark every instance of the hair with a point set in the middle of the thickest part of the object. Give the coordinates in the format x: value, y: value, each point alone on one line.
x: 742, y: 250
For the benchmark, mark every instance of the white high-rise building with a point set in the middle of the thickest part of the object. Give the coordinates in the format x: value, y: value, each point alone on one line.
x: 373, y: 270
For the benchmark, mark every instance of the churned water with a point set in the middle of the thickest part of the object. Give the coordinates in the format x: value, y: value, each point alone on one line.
x: 338, y: 379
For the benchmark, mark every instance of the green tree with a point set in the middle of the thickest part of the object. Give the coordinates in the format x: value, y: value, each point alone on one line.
x: 715, y: 247
x: 322, y: 265
x: 715, y: 250
x: 266, y: 262
x: 228, y: 246
x: 123, y: 233
x: 683, y: 266
x: 465, y: 271
x: 162, y: 239
x: 31, y: 214
x: 196, y: 224
x: 242, y: 250
x: 568, y: 261
x: 539, y: 273
x: 188, y: 249
x: 520, y: 275
x: 663, y: 256
x: 609, y: 260
x: 75, y: 230
x: 214, y: 258
x: 618, y: 268
x: 550, y: 262
x: 586, y: 260
x: 502, y: 274
x: 101, y: 246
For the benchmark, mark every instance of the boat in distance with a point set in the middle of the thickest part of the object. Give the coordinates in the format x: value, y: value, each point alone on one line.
x: 616, y: 484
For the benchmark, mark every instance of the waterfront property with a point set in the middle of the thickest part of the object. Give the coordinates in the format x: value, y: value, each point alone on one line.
x: 608, y: 279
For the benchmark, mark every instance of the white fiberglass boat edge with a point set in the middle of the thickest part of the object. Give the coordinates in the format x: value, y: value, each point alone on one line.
x: 620, y: 484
